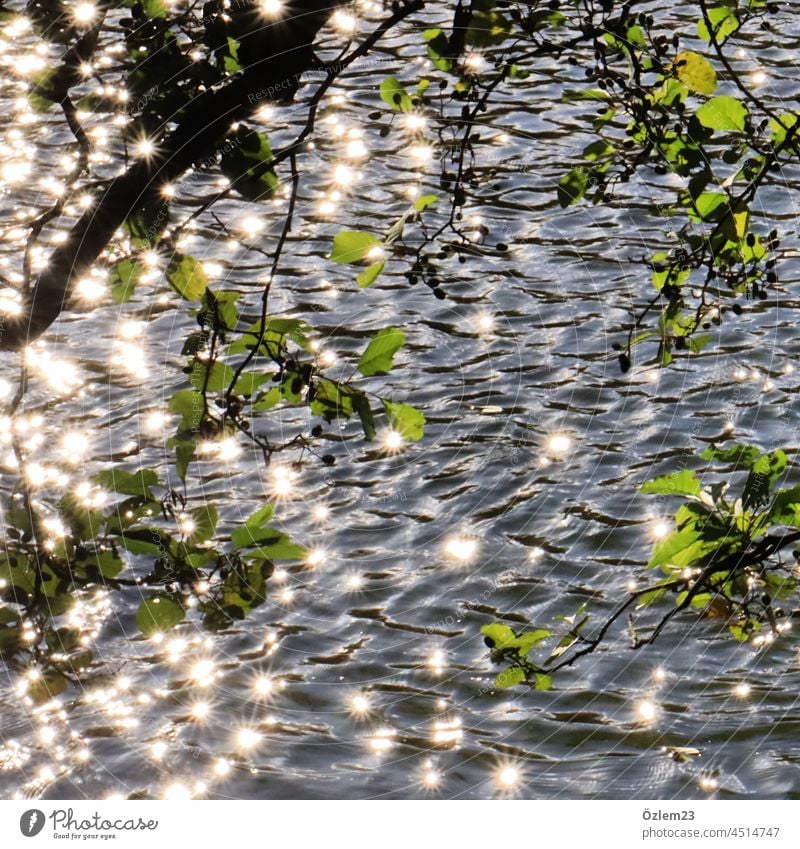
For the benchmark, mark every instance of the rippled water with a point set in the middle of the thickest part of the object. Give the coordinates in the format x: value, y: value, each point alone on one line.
x: 366, y: 676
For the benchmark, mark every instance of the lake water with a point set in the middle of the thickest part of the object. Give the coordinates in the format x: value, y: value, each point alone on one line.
x: 366, y: 676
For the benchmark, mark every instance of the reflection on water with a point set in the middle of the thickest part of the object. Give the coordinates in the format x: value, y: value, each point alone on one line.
x: 365, y: 675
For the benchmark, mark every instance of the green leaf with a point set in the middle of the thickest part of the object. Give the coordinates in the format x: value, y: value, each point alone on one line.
x: 369, y: 275
x: 248, y: 382
x: 190, y: 407
x: 379, y: 355
x: 47, y: 686
x: 543, y: 682
x: 667, y: 272
x: 125, y: 483
x: 572, y: 187
x: 353, y: 246
x: 158, y: 614
x: 656, y: 594
x: 408, y: 421
x: 332, y: 400
x: 186, y: 276
x: 530, y: 639
x: 283, y: 549
x: 599, y: 149
x: 394, y: 94
x: 230, y: 61
x: 695, y: 72
x: 204, y: 522
x: 785, y: 509
x: 108, y: 563
x: 724, y: 22
x: 123, y: 278
x: 145, y: 224
x: 422, y: 203
x: 781, y: 127
x: 262, y: 515
x: 738, y: 453
x: 251, y: 534
x: 247, y: 162
x: 763, y: 473
x: 268, y: 400
x: 771, y: 465
x: 217, y: 380
x: 709, y: 206
x: 500, y: 635
x: 682, y: 548
x: 487, y: 28
x: 362, y: 407
x: 438, y: 45
x: 723, y: 113
x: 510, y: 677
x: 155, y: 8
x: 680, y: 483
x: 151, y: 541
x: 184, y: 454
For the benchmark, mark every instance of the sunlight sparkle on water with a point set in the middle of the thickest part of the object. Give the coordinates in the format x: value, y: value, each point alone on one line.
x: 251, y: 225
x: 647, y: 711
x: 176, y: 792
x: 422, y: 153
x: 222, y: 767
x: 344, y: 21
x: 200, y: 710
x: 343, y: 175
x: 10, y: 302
x: 659, y: 529
x: 461, y: 548
x: 204, y: 672
x: 90, y: 290
x: 356, y: 149
x: 741, y: 690
x: 271, y: 8
x: 508, y: 777
x: 558, y: 445
x: 321, y: 512
x: 145, y: 148
x: 15, y: 172
x: 74, y: 446
x: 382, y: 740
x: 392, y: 441
x: 475, y: 63
x: 436, y: 662
x: 282, y: 481
x: 447, y: 732
x: 263, y: 685
x: 359, y: 705
x: 316, y: 557
x: 154, y: 422
x: 354, y: 581
x: 431, y: 778
x: 158, y: 750
x: 84, y: 13
x: 486, y: 323
x: 247, y: 738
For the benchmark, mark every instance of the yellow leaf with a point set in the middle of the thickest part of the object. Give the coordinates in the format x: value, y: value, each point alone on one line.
x: 741, y: 221
x: 695, y: 72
